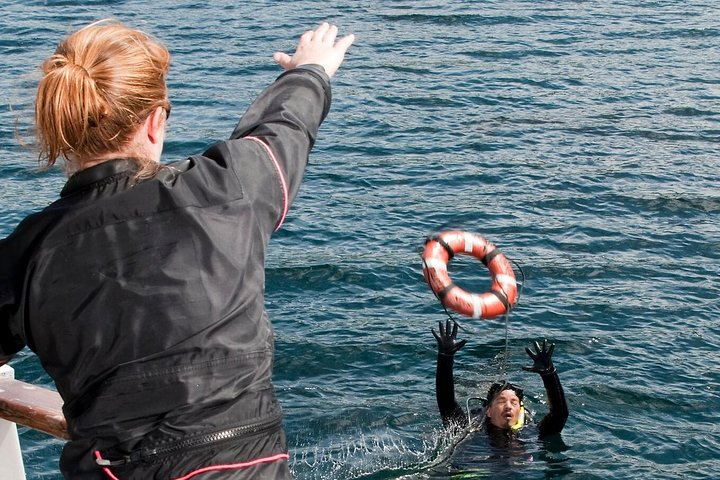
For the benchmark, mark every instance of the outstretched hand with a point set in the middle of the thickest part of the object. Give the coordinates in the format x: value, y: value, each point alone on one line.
x: 319, y: 47
x: 542, y: 358
x: 446, y: 339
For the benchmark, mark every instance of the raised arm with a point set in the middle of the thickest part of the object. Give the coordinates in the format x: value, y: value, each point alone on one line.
x: 555, y: 419
x: 282, y: 123
x: 450, y: 411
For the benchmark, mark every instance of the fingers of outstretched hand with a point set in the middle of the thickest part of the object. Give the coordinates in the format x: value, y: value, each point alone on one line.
x: 437, y: 337
x: 322, y: 30
x: 448, y: 328
x: 441, y: 329
x: 318, y: 35
x: 306, y: 37
x: 460, y: 344
x: 318, y: 47
x: 283, y: 59
x: 551, y: 350
x: 455, y: 329
x: 330, y: 35
x: 344, y: 43
x: 530, y: 353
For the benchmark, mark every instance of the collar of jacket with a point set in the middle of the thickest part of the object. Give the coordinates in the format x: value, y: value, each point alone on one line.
x: 104, y: 172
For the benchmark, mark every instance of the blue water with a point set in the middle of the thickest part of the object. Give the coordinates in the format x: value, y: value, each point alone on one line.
x: 581, y: 137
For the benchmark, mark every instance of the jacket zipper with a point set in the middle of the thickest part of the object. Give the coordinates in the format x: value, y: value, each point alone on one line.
x: 151, y: 454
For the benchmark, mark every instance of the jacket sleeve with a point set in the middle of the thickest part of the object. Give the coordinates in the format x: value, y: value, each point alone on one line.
x: 270, y: 146
x: 450, y: 411
x: 555, y: 419
x: 14, y: 254
x: 282, y: 123
x: 10, y: 341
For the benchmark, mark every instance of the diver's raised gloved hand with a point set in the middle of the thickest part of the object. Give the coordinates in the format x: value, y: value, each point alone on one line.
x: 542, y: 358
x: 446, y: 339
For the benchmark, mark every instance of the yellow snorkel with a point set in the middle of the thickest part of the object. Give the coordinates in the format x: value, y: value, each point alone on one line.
x: 521, y: 420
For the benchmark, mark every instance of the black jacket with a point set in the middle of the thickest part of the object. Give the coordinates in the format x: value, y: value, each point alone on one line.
x: 144, y: 301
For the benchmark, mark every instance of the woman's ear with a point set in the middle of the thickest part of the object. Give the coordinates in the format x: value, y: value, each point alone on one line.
x: 155, y: 125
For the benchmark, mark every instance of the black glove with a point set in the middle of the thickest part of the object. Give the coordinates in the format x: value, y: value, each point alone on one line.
x: 542, y: 358
x: 446, y: 340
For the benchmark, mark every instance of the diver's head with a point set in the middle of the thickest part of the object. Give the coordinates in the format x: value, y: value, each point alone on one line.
x: 505, y: 405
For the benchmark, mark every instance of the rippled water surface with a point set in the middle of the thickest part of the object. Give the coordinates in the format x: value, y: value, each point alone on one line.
x: 581, y: 137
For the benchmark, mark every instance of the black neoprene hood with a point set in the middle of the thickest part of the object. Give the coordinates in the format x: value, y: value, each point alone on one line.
x: 497, y: 387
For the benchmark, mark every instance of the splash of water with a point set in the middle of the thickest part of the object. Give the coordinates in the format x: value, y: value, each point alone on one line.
x: 368, y: 455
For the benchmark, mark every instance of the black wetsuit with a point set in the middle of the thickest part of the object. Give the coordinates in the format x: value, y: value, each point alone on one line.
x: 454, y: 416
x: 145, y: 300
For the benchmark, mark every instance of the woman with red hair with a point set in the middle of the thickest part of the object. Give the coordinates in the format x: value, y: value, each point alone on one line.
x: 141, y: 289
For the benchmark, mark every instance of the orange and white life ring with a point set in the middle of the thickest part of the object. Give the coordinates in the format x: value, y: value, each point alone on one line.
x: 440, y: 249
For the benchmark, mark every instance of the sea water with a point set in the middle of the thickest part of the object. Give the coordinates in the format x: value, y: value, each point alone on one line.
x: 581, y: 137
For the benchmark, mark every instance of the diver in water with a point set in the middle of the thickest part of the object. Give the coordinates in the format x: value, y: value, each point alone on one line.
x: 503, y: 415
